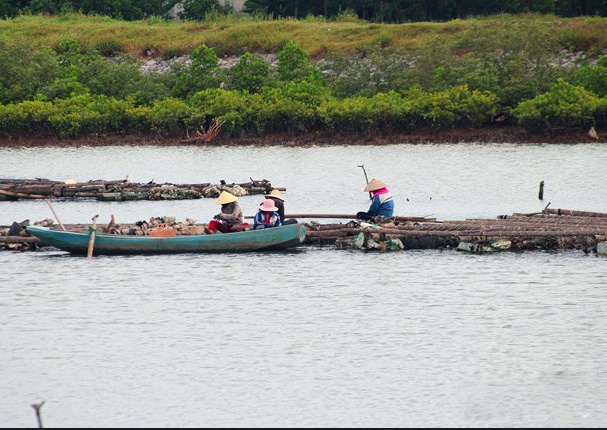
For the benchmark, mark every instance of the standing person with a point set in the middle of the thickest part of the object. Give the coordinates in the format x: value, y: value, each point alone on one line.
x: 382, y: 204
x: 230, y: 216
x: 267, y: 216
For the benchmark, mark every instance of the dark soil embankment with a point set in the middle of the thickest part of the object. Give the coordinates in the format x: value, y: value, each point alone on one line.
x: 503, y: 134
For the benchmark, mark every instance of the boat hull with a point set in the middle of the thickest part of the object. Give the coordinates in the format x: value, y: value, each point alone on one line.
x: 106, y: 244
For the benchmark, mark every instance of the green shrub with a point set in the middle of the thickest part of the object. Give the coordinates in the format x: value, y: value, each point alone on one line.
x: 235, y: 108
x: 113, y: 80
x: 250, y: 74
x: 24, y: 71
x: 594, y: 78
x: 564, y: 107
x: 63, y: 88
x: 203, y: 73
x: 351, y: 114
x: 69, y: 45
x: 168, y: 115
x: 601, y: 113
x: 458, y: 106
x: 293, y: 63
x: 25, y: 117
x: 284, y: 115
x: 310, y: 93
x: 109, y: 47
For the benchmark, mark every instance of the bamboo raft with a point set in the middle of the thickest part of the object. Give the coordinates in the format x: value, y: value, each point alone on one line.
x: 123, y: 190
x: 552, y: 229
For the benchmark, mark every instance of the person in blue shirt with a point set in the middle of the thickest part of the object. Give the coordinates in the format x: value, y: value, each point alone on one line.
x: 382, y: 204
x: 267, y: 216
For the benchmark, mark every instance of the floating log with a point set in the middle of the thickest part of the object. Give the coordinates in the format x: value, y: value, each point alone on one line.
x: 123, y: 190
x: 15, y: 195
x: 570, y: 212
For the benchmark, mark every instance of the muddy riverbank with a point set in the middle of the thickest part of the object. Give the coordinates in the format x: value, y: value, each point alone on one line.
x: 496, y: 134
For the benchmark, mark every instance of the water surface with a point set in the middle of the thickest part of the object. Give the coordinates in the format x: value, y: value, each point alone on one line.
x: 315, y: 336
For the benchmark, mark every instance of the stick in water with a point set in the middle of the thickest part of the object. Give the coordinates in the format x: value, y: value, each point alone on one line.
x: 37, y: 407
x: 540, y: 194
x: 56, y: 216
x: 93, y: 231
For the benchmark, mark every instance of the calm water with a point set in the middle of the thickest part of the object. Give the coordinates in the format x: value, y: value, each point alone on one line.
x: 316, y: 336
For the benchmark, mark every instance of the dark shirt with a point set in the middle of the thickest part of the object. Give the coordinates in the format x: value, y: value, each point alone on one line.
x: 281, y: 207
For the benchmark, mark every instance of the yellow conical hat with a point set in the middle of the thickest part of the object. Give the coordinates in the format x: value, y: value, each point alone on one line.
x: 276, y: 194
x: 375, y: 185
x: 225, y: 198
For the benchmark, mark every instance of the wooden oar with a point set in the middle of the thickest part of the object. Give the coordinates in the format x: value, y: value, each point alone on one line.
x: 56, y: 216
x: 93, y: 231
x: 350, y: 216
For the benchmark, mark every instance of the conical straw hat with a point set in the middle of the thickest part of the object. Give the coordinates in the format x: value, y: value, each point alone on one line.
x: 276, y: 194
x: 225, y: 198
x: 375, y: 185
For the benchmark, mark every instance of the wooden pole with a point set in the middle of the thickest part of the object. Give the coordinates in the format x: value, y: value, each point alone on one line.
x: 92, y: 237
x: 541, y: 192
x: 367, y: 179
x: 350, y: 216
x: 56, y: 215
x: 112, y: 222
x: 37, y: 407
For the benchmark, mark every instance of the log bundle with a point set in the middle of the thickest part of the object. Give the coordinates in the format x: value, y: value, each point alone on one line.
x: 123, y: 190
x: 570, y: 230
x: 564, y: 229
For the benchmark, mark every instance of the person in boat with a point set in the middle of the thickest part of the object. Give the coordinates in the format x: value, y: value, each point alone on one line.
x: 267, y: 216
x: 382, y: 204
x: 230, y: 215
x: 279, y: 202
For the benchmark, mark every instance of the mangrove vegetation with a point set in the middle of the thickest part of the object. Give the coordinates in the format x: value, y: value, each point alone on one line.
x: 73, y: 76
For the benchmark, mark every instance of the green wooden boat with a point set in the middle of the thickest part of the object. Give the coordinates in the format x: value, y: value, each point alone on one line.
x: 107, y: 244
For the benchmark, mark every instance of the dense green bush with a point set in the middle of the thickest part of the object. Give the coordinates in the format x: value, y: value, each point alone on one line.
x: 25, y: 117
x: 564, y: 107
x: 69, y: 93
x: 203, y: 73
x: 417, y: 108
x: 594, y: 78
x: 251, y: 73
x: 235, y: 108
x: 23, y: 71
x: 294, y: 65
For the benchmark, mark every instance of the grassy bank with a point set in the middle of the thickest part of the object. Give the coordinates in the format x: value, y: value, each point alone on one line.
x: 233, y: 36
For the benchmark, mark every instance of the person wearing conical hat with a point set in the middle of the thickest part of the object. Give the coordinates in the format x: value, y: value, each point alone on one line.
x: 230, y: 215
x: 279, y: 202
x: 382, y: 204
x: 267, y: 216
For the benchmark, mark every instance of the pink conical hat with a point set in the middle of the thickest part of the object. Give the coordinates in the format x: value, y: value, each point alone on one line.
x: 268, y: 205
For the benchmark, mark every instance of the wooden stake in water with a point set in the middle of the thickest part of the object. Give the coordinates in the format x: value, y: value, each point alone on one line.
x: 92, y: 237
x: 541, y: 192
x: 37, y: 407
